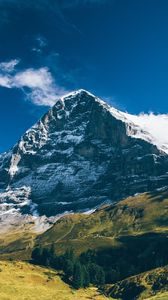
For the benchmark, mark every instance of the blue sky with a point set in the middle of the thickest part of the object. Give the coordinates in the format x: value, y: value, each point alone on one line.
x: 117, y: 49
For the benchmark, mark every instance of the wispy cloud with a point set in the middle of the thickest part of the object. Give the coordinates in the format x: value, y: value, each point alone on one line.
x: 5, y: 81
x: 41, y: 40
x: 39, y: 44
x: 38, y: 85
x: 9, y: 66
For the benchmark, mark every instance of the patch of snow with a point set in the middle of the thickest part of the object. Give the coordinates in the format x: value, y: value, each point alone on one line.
x: 65, y: 203
x: 89, y: 211
x: 162, y: 189
x: 13, y: 169
x: 17, y: 199
x: 149, y: 127
x: 75, y: 93
x: 34, y: 138
x: 14, y: 164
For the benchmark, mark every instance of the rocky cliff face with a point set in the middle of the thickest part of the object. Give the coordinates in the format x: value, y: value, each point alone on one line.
x: 81, y: 154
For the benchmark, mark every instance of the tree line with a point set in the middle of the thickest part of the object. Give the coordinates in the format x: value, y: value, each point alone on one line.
x: 80, y: 271
x: 107, y: 265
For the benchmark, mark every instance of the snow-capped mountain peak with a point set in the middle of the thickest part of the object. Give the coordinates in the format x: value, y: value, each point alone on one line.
x: 149, y: 127
x: 83, y: 153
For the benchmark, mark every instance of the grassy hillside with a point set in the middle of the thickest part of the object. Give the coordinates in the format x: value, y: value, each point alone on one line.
x: 131, y: 219
x: 23, y: 281
x: 129, y: 237
x: 110, y: 226
x: 160, y: 296
x: 17, y: 245
x: 142, y: 286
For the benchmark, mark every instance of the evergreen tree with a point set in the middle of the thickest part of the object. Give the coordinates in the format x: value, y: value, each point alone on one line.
x: 52, y: 250
x: 77, y: 276
x: 69, y: 254
x: 88, y: 257
x: 100, y: 276
x: 53, y: 256
x: 97, y: 274
x: 45, y: 259
x: 69, y: 267
x: 37, y: 255
x: 86, y: 277
x: 57, y: 262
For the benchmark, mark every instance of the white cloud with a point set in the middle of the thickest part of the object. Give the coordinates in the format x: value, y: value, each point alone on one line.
x: 40, y: 78
x: 9, y: 66
x: 43, y: 90
x: 5, y: 81
x: 156, y: 125
x: 38, y: 84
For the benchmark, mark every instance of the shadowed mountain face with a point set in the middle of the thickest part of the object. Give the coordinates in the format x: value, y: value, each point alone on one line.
x: 81, y: 154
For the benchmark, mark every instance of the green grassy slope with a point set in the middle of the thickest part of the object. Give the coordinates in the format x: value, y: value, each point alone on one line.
x: 17, y: 245
x: 131, y: 218
x: 130, y: 237
x: 159, y: 296
x: 135, y: 219
x: 142, y: 286
x: 23, y: 281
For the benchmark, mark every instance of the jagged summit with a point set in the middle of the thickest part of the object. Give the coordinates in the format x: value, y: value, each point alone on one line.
x: 80, y: 154
x: 77, y: 92
x: 135, y: 125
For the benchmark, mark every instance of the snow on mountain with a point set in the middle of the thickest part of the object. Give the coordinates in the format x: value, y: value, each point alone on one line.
x: 153, y: 128
x: 80, y: 154
x: 157, y: 126
x: 149, y: 127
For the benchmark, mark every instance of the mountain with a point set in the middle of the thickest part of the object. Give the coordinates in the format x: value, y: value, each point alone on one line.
x: 81, y: 154
x: 107, y: 170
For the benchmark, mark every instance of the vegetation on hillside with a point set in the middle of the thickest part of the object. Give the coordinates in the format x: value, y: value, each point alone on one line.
x: 110, y: 246
x: 105, y: 266
x: 79, y: 271
x: 134, y: 216
x: 24, y: 281
x: 141, y: 286
x: 127, y: 238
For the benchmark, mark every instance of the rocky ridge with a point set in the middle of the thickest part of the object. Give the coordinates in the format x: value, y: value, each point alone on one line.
x: 79, y: 155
